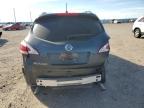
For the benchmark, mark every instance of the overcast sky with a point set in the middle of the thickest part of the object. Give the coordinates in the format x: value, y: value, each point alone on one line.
x: 105, y: 9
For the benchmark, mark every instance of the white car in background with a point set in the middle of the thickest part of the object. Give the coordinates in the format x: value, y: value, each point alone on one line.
x: 138, y: 27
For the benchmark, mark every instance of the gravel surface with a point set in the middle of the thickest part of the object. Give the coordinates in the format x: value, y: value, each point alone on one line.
x: 125, y: 76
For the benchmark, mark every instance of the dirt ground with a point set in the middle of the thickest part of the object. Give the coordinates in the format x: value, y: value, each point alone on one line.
x: 125, y: 73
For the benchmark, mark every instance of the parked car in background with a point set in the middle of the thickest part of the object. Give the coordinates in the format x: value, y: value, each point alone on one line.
x: 138, y: 27
x: 116, y: 21
x: 1, y: 25
x: 0, y: 31
x: 16, y: 26
x: 64, y: 49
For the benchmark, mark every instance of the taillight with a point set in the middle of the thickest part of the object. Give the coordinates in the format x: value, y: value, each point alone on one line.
x: 27, y: 49
x: 105, y: 48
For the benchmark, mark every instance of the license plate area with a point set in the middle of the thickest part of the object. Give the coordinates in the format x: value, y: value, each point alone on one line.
x: 68, y: 58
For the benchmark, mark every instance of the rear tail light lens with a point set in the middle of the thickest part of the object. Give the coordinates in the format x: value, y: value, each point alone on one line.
x: 105, y: 48
x: 27, y: 49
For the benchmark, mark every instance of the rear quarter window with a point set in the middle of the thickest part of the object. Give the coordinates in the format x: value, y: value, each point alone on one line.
x: 142, y: 19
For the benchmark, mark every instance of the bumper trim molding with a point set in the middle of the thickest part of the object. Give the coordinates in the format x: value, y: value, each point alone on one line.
x: 66, y: 81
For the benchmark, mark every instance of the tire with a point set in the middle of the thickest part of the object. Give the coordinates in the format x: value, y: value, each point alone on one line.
x: 28, y: 82
x: 103, y: 76
x: 0, y: 34
x: 28, y: 78
x: 137, y: 33
x: 33, y: 87
x: 9, y: 29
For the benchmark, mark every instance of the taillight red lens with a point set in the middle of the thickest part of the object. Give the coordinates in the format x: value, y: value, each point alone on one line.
x: 105, y: 48
x: 27, y: 49
x: 24, y: 49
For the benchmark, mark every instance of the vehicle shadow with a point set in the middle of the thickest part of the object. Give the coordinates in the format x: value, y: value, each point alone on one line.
x: 124, y: 89
x: 142, y: 37
x: 3, y: 41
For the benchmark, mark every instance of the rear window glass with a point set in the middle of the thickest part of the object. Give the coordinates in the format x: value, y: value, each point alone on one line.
x: 60, y: 28
x: 141, y: 20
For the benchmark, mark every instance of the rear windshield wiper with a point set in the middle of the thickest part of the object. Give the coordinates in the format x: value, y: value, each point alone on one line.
x: 77, y: 36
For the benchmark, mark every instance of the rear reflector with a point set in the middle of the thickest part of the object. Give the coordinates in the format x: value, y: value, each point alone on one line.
x: 105, y: 48
x: 27, y: 49
x: 67, y: 14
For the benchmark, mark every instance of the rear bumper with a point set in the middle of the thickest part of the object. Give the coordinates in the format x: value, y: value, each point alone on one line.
x: 49, y: 73
x: 68, y: 81
x: 81, y: 76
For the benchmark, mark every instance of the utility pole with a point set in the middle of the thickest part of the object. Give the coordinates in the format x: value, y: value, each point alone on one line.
x: 14, y: 15
x: 66, y: 8
x: 30, y: 17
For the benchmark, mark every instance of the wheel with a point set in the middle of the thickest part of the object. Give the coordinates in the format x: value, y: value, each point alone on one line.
x: 103, y: 76
x: 0, y: 34
x: 137, y: 33
x: 33, y: 88
x: 8, y: 29
x: 28, y: 78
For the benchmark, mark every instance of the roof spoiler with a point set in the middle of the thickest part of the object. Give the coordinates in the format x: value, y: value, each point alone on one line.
x: 45, y: 15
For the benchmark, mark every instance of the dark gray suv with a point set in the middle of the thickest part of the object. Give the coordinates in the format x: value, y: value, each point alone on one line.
x: 64, y: 49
